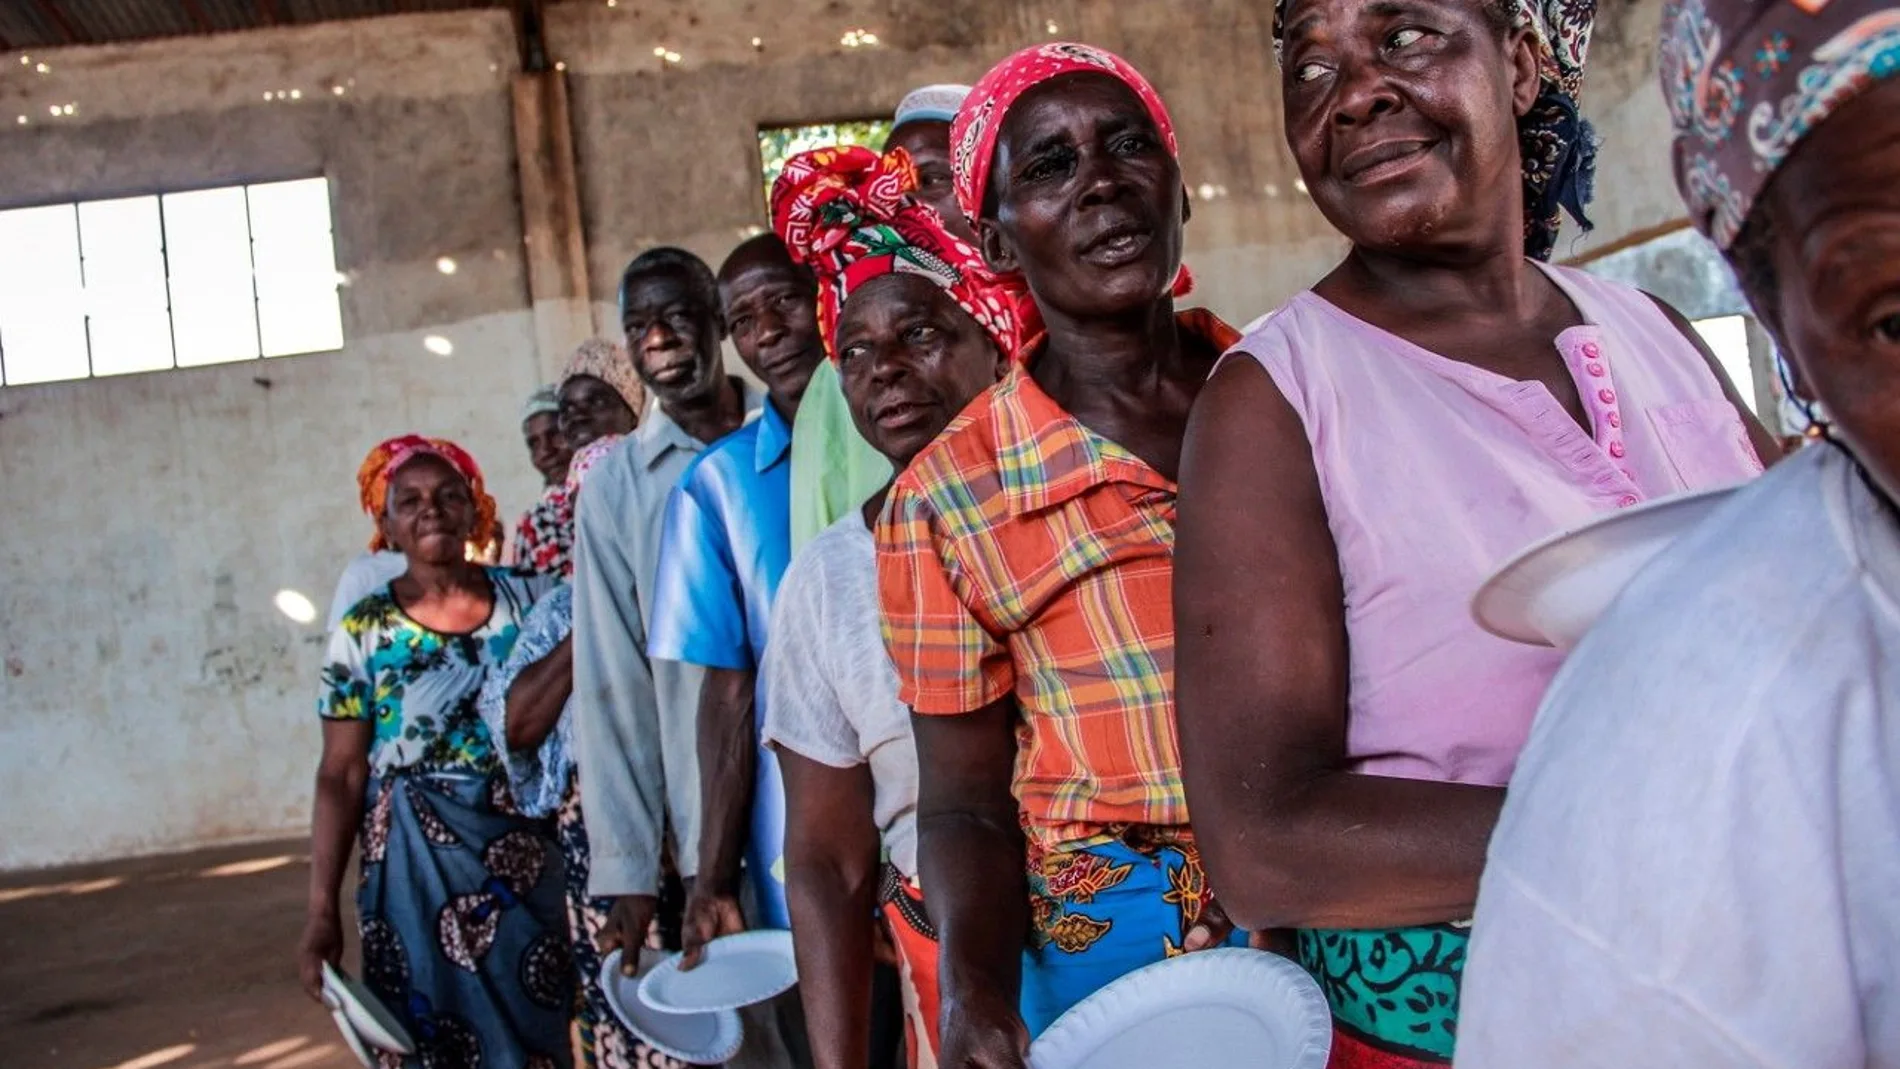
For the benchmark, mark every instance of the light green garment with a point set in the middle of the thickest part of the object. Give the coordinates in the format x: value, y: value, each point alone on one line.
x: 834, y: 470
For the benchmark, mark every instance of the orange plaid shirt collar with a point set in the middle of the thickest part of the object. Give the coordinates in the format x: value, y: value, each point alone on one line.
x: 959, y: 571
x: 1045, y: 457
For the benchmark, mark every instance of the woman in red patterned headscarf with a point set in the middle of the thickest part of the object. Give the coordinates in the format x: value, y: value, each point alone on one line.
x: 918, y: 327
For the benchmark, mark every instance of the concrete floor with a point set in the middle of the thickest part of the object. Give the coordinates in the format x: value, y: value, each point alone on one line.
x: 180, y: 962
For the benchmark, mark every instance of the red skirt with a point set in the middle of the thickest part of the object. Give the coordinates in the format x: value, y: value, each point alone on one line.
x: 1350, y: 1052
x: 916, y: 943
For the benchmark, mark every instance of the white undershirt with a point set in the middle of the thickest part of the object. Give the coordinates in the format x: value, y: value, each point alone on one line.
x: 833, y: 688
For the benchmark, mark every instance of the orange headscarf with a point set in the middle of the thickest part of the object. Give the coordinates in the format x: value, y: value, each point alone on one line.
x: 372, y: 480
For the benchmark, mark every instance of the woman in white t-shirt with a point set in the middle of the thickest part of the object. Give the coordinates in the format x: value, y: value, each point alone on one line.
x: 918, y: 330
x: 1698, y: 862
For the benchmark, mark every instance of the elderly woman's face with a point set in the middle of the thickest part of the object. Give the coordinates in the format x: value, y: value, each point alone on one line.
x: 1834, y: 209
x: 1089, y: 203
x: 1402, y: 115
x: 429, y: 515
x: 909, y: 359
x: 591, y: 409
x: 547, y: 450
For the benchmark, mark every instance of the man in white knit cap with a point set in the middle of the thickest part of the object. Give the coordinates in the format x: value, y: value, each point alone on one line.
x: 922, y: 128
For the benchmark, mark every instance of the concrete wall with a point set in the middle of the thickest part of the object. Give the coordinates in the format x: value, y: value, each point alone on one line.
x: 151, y: 697
x: 1636, y: 186
x: 668, y: 151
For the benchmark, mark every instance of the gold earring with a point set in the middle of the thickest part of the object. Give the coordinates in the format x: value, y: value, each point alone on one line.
x: 1818, y: 422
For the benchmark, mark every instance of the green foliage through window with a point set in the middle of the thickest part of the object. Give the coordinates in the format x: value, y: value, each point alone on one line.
x: 780, y: 143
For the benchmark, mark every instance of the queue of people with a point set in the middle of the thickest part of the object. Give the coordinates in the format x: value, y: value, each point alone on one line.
x: 1029, y: 627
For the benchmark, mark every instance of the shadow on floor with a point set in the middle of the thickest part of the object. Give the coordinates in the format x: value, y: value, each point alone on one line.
x: 179, y: 962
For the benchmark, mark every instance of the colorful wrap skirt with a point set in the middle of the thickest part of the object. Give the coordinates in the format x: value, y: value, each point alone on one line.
x: 463, y: 936
x: 916, y: 943
x: 1393, y: 992
x: 1100, y: 912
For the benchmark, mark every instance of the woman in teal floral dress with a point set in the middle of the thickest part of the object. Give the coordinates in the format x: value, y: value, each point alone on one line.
x: 460, y: 905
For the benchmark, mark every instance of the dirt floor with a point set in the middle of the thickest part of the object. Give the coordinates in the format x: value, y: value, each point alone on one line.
x: 180, y: 962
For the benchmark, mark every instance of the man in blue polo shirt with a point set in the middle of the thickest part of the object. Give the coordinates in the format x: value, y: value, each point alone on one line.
x: 726, y: 542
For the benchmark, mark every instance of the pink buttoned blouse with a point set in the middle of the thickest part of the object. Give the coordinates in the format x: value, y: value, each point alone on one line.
x: 1434, y: 472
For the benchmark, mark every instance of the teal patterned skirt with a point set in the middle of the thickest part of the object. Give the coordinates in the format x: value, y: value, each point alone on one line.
x: 1394, y: 990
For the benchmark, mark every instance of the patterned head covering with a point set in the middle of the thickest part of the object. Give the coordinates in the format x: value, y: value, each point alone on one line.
x: 1558, y: 145
x: 544, y: 401
x: 608, y: 362
x: 847, y: 213
x: 584, y: 460
x: 931, y: 103
x: 1746, y: 80
x: 979, y: 123
x: 382, y: 463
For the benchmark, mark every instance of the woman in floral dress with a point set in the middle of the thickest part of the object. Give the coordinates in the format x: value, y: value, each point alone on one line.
x: 460, y: 898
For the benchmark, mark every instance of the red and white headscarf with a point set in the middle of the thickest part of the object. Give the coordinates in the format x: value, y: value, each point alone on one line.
x: 847, y: 212
x: 583, y: 463
x: 979, y: 122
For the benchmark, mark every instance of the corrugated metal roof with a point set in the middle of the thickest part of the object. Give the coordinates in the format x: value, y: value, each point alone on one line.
x: 27, y: 24
x: 22, y: 22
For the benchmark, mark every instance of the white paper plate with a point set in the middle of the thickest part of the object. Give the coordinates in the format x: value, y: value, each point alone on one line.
x: 1229, y: 1008
x: 693, y: 1038
x: 370, y: 1019
x: 1550, y: 594
x: 737, y: 970
x: 354, y: 1041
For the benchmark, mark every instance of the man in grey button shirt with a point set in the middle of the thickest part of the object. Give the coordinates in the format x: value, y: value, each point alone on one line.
x: 635, y: 719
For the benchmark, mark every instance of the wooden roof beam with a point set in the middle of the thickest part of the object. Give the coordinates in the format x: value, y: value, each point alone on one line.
x: 529, y: 36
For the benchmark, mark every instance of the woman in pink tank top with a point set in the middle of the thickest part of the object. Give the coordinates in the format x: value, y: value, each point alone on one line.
x: 1370, y: 452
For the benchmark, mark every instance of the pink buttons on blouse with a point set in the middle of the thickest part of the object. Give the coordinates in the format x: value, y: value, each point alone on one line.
x: 1626, y: 501
x: 1593, y: 365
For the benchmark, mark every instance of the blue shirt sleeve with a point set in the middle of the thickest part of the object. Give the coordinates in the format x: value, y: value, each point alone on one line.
x: 698, y: 603
x: 539, y: 776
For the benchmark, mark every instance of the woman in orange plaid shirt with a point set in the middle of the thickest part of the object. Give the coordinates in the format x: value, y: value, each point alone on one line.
x: 1025, y: 568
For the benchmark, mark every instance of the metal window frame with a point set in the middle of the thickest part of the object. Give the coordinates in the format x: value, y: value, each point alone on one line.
x: 164, y: 246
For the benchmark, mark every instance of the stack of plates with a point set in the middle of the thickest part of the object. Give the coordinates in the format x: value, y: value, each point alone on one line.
x: 362, y: 1019
x: 692, y: 1015
x: 1213, y: 1009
